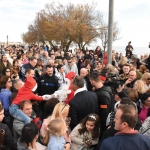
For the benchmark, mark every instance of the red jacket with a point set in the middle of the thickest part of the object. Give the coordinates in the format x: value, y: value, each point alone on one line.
x: 25, y: 93
x: 70, y: 76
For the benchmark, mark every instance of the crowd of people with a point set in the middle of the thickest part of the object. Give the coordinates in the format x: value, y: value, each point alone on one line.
x: 52, y: 99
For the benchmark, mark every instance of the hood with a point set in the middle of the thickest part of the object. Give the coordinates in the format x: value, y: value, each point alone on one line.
x: 107, y: 88
x: 70, y: 75
x: 29, y: 83
x: 21, y: 146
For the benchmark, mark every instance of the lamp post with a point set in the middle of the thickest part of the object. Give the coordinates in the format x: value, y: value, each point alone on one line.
x: 7, y: 40
x: 110, y: 30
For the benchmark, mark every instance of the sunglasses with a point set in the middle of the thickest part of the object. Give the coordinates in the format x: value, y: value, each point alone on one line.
x: 148, y: 79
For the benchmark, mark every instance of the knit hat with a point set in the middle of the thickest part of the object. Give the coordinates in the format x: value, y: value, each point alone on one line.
x: 135, y: 56
x: 29, y: 82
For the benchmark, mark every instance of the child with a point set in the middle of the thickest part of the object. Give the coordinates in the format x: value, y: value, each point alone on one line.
x: 57, y: 128
x: 25, y: 93
x: 86, y: 133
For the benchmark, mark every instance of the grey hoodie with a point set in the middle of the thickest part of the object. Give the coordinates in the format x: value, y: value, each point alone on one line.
x: 21, y: 146
x: 18, y: 125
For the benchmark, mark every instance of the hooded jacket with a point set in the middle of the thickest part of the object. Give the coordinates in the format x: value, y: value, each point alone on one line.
x: 18, y: 126
x: 104, y: 104
x: 5, y: 99
x: 22, y: 146
x: 25, y: 93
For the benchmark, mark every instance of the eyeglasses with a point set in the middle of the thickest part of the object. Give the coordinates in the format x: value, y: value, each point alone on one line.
x: 64, y: 107
x: 8, y: 71
x: 69, y: 62
x: 9, y: 81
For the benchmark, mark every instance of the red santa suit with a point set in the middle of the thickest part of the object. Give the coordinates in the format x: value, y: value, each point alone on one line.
x: 25, y: 93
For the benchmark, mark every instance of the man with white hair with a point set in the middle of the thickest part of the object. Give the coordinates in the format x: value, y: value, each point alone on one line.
x: 84, y: 74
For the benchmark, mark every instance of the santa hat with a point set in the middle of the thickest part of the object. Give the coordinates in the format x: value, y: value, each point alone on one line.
x: 103, y: 78
x: 70, y: 75
x: 29, y: 82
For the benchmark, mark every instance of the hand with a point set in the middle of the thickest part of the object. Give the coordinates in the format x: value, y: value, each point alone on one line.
x: 86, y: 145
x: 67, y: 146
x: 120, y: 88
x: 69, y: 91
x: 128, y: 81
x: 46, y: 97
x: 93, y: 89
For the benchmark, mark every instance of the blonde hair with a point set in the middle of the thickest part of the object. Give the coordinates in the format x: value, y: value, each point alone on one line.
x: 59, y: 109
x: 141, y: 88
x: 123, y: 61
x: 145, y: 76
x: 111, y: 69
x: 56, y: 126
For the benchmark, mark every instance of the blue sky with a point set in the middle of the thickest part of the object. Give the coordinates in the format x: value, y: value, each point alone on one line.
x: 133, y: 17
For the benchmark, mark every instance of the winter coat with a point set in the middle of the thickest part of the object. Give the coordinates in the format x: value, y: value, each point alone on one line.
x: 18, y: 125
x: 2, y: 66
x: 77, y: 138
x: 104, y: 104
x: 83, y: 103
x: 5, y: 99
x: 72, y: 69
x: 25, y: 93
x: 47, y: 84
x: 8, y: 139
x: 22, y: 146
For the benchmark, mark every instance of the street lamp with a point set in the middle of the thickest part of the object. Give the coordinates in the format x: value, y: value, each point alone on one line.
x: 110, y: 31
x: 7, y: 40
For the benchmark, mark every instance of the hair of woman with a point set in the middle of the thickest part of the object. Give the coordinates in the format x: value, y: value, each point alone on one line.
x: 3, y: 81
x: 29, y: 132
x: 94, y: 118
x: 141, y: 88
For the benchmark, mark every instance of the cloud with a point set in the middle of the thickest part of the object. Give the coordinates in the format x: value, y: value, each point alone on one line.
x: 16, y: 15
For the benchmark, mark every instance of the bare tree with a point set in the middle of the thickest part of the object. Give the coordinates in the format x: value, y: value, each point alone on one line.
x: 103, y: 33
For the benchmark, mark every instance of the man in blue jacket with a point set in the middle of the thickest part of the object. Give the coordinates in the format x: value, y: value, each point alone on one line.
x: 128, y: 138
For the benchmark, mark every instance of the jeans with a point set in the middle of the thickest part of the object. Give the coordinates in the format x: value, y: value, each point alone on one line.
x: 18, y: 114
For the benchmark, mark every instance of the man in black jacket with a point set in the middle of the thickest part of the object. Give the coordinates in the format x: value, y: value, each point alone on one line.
x: 48, y: 83
x: 104, y: 95
x: 83, y: 103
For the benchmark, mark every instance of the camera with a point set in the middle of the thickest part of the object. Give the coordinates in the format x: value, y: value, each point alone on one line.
x: 114, y: 82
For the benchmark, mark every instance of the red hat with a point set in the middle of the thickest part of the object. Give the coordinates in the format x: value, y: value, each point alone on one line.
x: 70, y: 75
x: 29, y: 82
x: 102, y: 78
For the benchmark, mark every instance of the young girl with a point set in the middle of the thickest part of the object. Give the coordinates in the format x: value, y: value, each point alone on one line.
x: 86, y: 133
x: 57, y: 128
x: 60, y: 111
